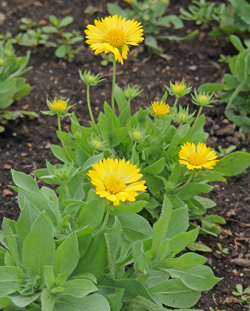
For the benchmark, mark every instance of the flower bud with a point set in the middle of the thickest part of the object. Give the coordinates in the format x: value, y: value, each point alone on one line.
x: 89, y: 78
x: 179, y: 88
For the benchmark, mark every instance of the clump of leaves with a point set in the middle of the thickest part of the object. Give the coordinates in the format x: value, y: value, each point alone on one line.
x: 243, y: 295
x: 236, y: 89
x: 53, y: 35
x: 224, y: 18
x: 12, y: 84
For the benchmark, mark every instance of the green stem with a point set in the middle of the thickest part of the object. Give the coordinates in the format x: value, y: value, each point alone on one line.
x: 106, y: 217
x: 113, y: 86
x: 186, y: 183
x: 89, y: 106
x: 61, y: 137
x: 175, y: 103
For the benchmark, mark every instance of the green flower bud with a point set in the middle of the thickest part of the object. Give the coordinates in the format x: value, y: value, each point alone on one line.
x: 131, y: 92
x: 179, y: 88
x: 203, y: 99
x: 89, y: 78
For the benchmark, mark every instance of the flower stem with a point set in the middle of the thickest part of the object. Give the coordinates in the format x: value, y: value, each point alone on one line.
x: 106, y: 217
x: 61, y: 137
x: 89, y: 106
x: 113, y: 86
x: 175, y: 103
x: 186, y: 183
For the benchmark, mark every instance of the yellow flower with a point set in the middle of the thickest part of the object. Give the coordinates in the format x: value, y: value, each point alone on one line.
x: 129, y: 1
x: 197, y: 157
x: 114, y: 34
x: 58, y: 105
x: 116, y: 180
x: 160, y: 108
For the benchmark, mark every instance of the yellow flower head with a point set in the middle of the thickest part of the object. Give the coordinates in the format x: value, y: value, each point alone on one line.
x: 58, y: 105
x: 197, y: 157
x: 160, y: 108
x: 114, y: 34
x: 116, y: 180
x: 129, y: 1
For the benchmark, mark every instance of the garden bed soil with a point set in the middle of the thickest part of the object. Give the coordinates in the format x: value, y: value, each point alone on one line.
x: 24, y: 146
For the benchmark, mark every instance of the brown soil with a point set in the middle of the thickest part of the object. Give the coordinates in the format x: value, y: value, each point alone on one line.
x: 24, y: 146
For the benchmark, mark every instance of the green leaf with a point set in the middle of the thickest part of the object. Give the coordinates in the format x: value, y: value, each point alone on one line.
x: 198, y: 277
x: 132, y: 286
x: 94, y: 259
x: 67, y: 256
x: 182, y: 240
x: 170, y: 19
x: 236, y: 43
x: 10, y: 280
x: 91, y: 214
x: 179, y: 222
x: 61, y: 51
x: 135, y: 227
x: 59, y: 153
x: 114, y: 9
x: 79, y: 288
x: 117, y: 136
x: 161, y: 226
x: 131, y: 207
x: 18, y: 301
x: 66, y: 21
x: 192, y: 189
x: 47, y: 300
x: 173, y: 293
x: 155, y: 168
x: 233, y: 164
x: 39, y: 246
x: 93, y: 302
x: 212, y: 87
x: 186, y: 261
x: 13, y: 247
x: 188, y: 37
x: 141, y: 304
x: 199, y: 247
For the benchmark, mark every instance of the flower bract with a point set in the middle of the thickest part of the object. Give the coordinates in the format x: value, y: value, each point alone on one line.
x: 116, y: 180
x: 160, y: 108
x: 197, y: 157
x: 114, y: 34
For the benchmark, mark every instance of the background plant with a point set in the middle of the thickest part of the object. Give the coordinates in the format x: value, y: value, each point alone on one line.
x: 235, y: 91
x: 151, y: 14
x: 243, y: 295
x: 12, y: 84
x: 225, y: 19
x: 52, y: 36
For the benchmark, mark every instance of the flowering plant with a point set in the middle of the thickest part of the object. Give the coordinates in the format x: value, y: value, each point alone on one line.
x: 166, y: 142
x: 85, y: 246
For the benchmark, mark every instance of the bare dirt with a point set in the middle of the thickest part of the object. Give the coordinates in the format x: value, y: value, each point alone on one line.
x: 24, y: 146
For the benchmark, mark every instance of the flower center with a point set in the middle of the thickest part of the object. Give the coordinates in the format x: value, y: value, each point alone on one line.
x: 197, y: 159
x: 116, y: 37
x: 114, y: 184
x: 202, y: 99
